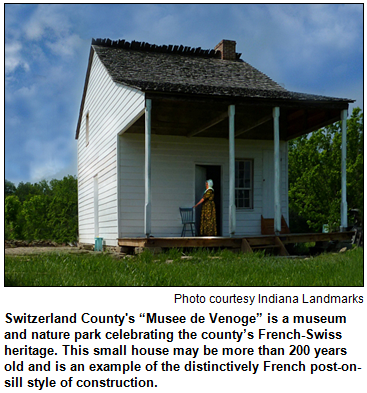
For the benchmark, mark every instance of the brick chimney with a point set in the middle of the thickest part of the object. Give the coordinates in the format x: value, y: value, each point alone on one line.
x: 227, y: 49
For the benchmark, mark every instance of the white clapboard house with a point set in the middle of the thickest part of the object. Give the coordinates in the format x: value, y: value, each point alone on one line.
x: 156, y: 121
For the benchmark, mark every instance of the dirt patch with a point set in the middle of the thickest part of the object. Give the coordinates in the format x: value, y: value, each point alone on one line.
x: 35, y: 243
x: 41, y: 250
x: 22, y: 247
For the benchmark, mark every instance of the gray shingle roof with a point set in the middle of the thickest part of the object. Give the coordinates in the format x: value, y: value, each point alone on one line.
x: 197, y: 73
x: 161, y: 69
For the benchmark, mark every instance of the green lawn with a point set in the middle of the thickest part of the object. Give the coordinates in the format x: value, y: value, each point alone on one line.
x: 199, y: 268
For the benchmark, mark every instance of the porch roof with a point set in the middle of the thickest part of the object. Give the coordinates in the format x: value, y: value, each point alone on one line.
x: 191, y: 89
x: 158, y: 69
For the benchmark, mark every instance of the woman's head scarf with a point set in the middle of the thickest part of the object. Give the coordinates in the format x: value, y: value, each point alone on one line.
x: 210, y: 184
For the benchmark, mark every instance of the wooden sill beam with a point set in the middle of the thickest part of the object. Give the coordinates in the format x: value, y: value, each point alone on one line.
x: 247, y: 244
x: 212, y: 123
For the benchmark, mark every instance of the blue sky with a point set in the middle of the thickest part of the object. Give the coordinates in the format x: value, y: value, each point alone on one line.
x: 309, y: 48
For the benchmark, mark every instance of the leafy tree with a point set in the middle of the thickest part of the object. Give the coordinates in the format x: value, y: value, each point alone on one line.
x: 63, y: 209
x: 43, y: 210
x: 13, y: 217
x: 25, y: 191
x: 35, y: 215
x: 42, y: 188
x: 315, y: 173
x: 9, y: 188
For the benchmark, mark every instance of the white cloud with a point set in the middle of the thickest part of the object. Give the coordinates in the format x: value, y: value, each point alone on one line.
x: 298, y: 42
x: 47, y: 18
x: 46, y: 158
x: 26, y: 92
x: 66, y: 46
x: 315, y: 26
x: 331, y: 27
x: 13, y: 57
x: 158, y: 24
x: 47, y: 27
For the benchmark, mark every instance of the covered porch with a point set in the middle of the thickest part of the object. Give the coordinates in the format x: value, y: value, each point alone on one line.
x: 229, y: 120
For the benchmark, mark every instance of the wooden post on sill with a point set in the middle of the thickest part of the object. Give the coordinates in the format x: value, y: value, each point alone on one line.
x: 232, y: 205
x: 344, y: 204
x: 277, y: 207
x: 148, y: 207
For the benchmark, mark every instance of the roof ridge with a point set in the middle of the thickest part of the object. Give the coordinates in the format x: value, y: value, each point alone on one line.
x: 170, y: 49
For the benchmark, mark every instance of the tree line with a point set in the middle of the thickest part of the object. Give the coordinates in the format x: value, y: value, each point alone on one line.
x: 49, y: 210
x: 42, y: 211
x: 315, y: 175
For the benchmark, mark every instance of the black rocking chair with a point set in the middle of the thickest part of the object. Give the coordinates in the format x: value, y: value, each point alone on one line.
x: 187, y: 216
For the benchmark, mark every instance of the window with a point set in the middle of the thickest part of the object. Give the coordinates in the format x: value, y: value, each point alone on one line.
x: 244, y: 184
x: 87, y: 129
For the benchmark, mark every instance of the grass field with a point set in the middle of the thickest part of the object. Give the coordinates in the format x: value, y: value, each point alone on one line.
x: 199, y: 268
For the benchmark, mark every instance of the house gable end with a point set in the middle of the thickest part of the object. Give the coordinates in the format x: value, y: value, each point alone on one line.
x: 86, y: 85
x: 107, y: 109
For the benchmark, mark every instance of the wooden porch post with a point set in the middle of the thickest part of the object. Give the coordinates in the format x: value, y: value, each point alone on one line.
x: 344, y: 205
x: 148, y: 126
x: 277, y: 205
x: 118, y: 182
x: 232, y: 205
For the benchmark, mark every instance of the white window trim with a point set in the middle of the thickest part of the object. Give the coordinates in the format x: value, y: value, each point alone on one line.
x: 87, y: 126
x: 251, y: 188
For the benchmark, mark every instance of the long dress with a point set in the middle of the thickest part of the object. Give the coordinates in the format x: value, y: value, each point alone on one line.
x: 208, y: 223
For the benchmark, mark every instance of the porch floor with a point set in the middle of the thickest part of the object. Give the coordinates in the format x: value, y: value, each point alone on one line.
x: 245, y: 243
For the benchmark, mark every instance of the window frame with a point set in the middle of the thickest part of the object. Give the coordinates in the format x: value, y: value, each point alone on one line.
x: 250, y: 189
x: 87, y: 128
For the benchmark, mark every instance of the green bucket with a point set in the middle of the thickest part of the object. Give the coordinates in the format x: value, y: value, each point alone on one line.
x: 98, y: 244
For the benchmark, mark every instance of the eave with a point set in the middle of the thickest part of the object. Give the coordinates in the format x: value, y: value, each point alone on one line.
x: 206, y: 116
x: 91, y: 53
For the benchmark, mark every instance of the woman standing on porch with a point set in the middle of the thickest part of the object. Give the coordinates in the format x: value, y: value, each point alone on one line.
x: 208, y: 222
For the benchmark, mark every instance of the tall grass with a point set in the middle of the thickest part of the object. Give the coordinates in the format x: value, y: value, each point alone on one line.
x: 199, y: 268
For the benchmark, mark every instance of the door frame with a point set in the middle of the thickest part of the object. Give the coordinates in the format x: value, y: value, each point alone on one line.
x: 219, y: 206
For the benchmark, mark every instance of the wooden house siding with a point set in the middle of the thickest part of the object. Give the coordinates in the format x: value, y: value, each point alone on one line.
x: 173, y: 181
x: 111, y: 108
